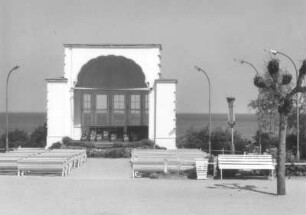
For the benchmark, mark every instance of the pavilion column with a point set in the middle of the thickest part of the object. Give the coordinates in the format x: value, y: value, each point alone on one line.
x: 165, y: 113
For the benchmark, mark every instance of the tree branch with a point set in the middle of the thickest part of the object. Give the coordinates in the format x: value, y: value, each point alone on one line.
x: 302, y: 72
x: 302, y: 90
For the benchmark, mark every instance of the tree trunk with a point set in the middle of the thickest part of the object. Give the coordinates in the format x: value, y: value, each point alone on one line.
x: 270, y: 124
x: 281, y: 155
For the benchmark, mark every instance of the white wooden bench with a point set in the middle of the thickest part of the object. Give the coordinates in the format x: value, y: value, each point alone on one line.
x: 150, y: 164
x: 70, y: 160
x: 245, y: 162
x: 74, y: 159
x: 9, y: 164
x: 9, y: 160
x: 37, y: 160
x: 164, y: 160
x: 43, y: 166
x: 80, y: 155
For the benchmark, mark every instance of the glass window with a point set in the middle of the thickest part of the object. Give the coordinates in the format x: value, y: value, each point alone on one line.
x: 87, y: 101
x: 119, y: 102
x: 135, y: 102
x: 101, y: 102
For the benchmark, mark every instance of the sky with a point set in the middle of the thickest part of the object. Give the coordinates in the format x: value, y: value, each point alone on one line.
x: 206, y: 33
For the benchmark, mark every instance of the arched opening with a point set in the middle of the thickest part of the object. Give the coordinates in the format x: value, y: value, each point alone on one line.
x: 111, y: 72
x: 111, y: 100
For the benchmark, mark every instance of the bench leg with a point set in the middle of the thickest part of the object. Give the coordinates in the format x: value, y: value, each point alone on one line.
x: 165, y: 167
x: 215, y: 168
x: 272, y: 173
x: 221, y: 175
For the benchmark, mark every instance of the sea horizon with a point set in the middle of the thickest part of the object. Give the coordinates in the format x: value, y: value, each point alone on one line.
x: 246, y: 123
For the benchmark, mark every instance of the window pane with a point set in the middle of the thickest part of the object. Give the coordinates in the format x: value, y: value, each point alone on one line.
x: 135, y: 117
x: 101, y: 102
x: 119, y: 102
x: 135, y: 102
x: 145, y: 119
x: 101, y: 117
x: 87, y: 101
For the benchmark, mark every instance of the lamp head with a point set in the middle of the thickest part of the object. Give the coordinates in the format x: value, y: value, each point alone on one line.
x: 197, y: 68
x: 16, y: 67
x: 272, y: 51
x: 239, y: 60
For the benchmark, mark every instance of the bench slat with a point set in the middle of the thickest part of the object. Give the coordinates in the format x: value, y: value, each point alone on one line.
x: 246, y: 162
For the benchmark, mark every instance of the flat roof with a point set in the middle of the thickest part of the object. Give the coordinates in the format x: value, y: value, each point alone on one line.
x: 166, y: 81
x: 61, y: 79
x: 111, y: 46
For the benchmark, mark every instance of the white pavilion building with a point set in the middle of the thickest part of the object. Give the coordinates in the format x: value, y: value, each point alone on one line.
x: 112, y: 92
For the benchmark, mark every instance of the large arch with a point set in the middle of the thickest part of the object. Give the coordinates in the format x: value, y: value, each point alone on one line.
x: 111, y: 98
x: 111, y: 72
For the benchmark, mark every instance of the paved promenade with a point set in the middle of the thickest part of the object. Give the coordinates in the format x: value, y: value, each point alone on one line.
x: 105, y: 187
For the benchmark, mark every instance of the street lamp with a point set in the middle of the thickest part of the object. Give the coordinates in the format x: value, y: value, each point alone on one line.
x: 246, y: 62
x: 259, y: 105
x: 6, y: 107
x: 274, y: 52
x: 209, y: 107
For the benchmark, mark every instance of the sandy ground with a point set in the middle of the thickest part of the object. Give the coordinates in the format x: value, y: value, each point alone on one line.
x: 105, y: 187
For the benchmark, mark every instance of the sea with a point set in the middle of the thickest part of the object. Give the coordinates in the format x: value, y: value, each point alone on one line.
x: 246, y: 124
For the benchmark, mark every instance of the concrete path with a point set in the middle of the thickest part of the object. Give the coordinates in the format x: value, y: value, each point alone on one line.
x: 105, y: 187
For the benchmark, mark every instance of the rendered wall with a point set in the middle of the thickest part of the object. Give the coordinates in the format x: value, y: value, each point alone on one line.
x: 77, y: 56
x: 148, y: 58
x: 57, y: 108
x: 165, y: 128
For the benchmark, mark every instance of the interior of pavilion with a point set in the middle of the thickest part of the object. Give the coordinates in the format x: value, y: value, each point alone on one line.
x: 111, y: 100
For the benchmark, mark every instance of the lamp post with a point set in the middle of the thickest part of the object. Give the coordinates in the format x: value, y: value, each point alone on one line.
x: 274, y: 52
x: 6, y: 107
x: 209, y: 107
x: 258, y: 99
x: 231, y: 119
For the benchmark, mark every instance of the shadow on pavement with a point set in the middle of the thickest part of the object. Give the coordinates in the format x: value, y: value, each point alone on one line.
x: 235, y: 186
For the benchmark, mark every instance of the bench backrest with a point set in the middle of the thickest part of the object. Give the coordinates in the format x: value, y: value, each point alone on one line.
x: 245, y: 162
x: 168, y: 153
x: 153, y: 157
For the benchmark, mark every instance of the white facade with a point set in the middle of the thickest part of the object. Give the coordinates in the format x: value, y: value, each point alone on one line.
x: 161, y: 92
x: 165, y: 111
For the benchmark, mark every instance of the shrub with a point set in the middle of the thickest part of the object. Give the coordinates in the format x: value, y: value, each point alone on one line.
x: 109, y: 153
x: 108, y: 150
x: 267, y: 140
x: 38, y: 137
x: 67, y: 141
x: 137, y: 144
x: 16, y: 138
x: 190, y: 173
x: 57, y: 145
x: 220, y: 139
x: 115, y: 153
x: 20, y: 138
x: 153, y: 175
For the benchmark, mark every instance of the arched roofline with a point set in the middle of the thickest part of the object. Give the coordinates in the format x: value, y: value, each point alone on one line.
x: 111, y: 71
